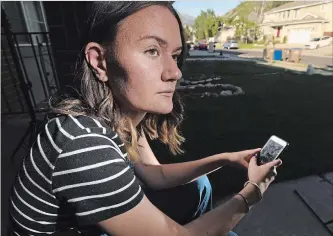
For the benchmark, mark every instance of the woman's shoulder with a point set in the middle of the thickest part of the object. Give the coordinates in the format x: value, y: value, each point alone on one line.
x: 70, y: 127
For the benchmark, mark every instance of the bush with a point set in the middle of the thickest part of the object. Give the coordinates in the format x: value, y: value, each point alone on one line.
x: 285, y: 39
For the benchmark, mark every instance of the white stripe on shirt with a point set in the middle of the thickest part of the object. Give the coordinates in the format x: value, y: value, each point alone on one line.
x: 34, y: 196
x: 79, y: 124
x: 64, y: 132
x: 102, y: 195
x: 91, y: 182
x: 35, y: 231
x: 34, y: 183
x: 104, y: 163
x: 29, y: 218
x: 38, y: 170
x: 101, y: 136
x: 66, y: 154
x: 43, y: 154
x: 109, y: 207
x: 35, y: 209
x: 51, y: 139
x: 99, y: 125
x: 16, y: 233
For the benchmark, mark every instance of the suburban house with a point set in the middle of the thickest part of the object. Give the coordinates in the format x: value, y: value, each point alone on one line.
x: 299, y: 21
x: 225, y: 33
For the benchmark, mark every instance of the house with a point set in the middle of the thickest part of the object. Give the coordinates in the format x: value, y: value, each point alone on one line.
x: 48, y: 42
x: 225, y: 33
x: 299, y: 21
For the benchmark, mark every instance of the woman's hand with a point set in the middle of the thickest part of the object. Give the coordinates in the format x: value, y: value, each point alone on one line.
x: 263, y: 175
x: 242, y: 158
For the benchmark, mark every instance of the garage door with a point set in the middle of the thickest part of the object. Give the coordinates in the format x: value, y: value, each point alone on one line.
x: 299, y: 36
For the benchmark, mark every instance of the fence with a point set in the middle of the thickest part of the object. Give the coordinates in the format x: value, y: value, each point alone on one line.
x: 32, y: 68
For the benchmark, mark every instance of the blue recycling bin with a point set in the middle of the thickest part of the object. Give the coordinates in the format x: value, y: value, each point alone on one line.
x: 277, y: 55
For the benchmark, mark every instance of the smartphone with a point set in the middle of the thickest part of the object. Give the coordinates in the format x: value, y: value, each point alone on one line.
x: 271, y: 150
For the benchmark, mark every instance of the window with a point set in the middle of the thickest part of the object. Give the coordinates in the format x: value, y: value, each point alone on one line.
x: 296, y: 12
x: 288, y: 14
x: 26, y: 17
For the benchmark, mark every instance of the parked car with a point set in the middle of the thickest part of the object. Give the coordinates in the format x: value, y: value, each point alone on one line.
x: 231, y: 44
x: 319, y: 42
x: 203, y: 45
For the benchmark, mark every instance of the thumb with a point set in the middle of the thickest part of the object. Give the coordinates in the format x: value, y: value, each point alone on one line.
x: 252, y: 151
x: 277, y: 162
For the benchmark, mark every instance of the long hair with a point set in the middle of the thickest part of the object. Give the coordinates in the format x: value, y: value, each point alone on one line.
x: 97, y: 99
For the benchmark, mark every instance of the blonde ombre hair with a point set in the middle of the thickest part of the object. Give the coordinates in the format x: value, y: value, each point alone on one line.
x: 96, y: 98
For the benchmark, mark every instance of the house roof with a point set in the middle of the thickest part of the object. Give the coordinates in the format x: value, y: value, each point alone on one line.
x: 295, y: 5
x: 309, y: 18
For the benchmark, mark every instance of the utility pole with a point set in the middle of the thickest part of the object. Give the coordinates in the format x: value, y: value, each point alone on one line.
x: 261, y: 11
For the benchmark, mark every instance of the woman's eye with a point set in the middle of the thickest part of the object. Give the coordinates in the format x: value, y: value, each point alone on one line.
x: 175, y: 57
x: 153, y: 52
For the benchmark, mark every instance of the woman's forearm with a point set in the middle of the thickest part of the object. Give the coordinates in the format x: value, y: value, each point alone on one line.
x: 223, y: 218
x: 172, y: 175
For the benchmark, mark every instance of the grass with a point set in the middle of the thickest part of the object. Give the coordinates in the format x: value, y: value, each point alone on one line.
x: 295, y: 107
x: 250, y: 46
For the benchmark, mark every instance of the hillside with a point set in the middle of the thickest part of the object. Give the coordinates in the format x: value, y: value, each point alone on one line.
x: 187, y: 19
x: 251, y: 9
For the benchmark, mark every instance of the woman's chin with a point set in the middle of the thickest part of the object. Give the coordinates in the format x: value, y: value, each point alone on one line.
x: 162, y: 108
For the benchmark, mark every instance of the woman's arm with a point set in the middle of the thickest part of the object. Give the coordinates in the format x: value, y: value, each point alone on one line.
x: 146, y: 220
x: 158, y: 176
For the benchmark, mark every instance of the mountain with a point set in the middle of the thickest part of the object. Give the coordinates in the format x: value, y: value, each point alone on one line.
x: 251, y: 10
x: 187, y: 19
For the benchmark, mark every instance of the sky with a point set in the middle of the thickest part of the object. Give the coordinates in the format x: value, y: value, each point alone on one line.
x: 193, y: 8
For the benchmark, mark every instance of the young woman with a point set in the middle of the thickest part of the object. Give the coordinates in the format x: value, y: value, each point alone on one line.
x: 90, y: 163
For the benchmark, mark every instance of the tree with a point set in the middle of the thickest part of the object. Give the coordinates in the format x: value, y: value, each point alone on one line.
x: 188, y: 33
x: 206, y: 24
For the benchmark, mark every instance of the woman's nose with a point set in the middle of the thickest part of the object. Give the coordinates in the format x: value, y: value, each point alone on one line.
x: 171, y: 71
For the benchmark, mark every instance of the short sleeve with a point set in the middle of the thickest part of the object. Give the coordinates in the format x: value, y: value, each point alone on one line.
x: 93, y: 179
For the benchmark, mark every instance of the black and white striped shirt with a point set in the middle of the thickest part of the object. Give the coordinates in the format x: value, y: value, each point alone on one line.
x: 76, y: 174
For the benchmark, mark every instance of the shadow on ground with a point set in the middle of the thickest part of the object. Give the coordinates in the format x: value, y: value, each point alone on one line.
x: 293, y: 106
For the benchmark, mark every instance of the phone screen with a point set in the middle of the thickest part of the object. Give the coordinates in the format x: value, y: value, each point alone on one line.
x: 270, y: 151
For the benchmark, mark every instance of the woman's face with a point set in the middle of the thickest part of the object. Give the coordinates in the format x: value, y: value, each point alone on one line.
x: 147, y: 46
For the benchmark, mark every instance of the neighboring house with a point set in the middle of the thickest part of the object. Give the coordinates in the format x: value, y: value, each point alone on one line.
x: 299, y: 21
x: 224, y: 33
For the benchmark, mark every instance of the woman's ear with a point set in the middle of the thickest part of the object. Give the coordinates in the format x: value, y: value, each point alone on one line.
x: 94, y: 54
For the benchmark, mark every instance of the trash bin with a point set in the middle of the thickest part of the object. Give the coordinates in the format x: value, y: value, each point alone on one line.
x: 277, y: 55
x: 268, y: 54
x: 295, y: 55
x: 285, y: 54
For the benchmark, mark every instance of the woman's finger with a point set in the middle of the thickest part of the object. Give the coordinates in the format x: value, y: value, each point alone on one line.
x: 252, y: 151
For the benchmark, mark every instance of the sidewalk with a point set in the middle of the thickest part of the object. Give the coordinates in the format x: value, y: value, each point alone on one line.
x: 320, y: 52
x: 302, y: 207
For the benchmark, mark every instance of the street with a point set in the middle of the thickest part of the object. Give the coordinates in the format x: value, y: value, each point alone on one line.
x: 306, y: 59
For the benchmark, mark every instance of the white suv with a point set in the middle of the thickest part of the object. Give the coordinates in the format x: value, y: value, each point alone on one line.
x: 319, y: 42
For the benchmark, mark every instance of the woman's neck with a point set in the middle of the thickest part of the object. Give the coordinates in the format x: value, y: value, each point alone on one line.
x: 136, y: 117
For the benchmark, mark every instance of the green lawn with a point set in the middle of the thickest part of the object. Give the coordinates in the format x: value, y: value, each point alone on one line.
x: 297, y: 108
x: 250, y: 46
